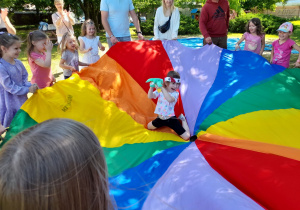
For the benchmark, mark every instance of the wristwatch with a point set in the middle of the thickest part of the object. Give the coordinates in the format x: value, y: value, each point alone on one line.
x: 139, y: 32
x: 111, y: 36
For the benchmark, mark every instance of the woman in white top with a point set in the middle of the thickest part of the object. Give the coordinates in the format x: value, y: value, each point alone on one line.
x: 162, y: 15
x: 5, y: 25
x: 63, y: 20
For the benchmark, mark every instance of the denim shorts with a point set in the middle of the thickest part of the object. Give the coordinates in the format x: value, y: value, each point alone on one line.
x: 120, y: 39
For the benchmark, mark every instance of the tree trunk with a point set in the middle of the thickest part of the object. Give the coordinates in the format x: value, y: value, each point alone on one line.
x: 95, y: 13
x: 85, y: 8
x: 91, y: 9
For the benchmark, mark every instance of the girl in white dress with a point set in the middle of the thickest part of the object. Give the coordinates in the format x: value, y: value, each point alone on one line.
x: 89, y: 42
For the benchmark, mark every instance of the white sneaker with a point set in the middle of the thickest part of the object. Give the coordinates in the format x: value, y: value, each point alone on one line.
x: 182, y: 117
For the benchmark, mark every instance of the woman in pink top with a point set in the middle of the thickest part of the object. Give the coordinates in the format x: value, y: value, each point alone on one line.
x: 282, y: 48
x: 39, y: 57
x: 254, y: 37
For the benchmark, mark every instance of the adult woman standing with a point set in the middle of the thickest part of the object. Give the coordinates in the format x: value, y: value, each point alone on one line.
x: 166, y: 22
x: 63, y: 20
x: 5, y: 25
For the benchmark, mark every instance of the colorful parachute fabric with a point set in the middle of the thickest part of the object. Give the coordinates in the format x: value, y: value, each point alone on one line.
x: 244, y: 111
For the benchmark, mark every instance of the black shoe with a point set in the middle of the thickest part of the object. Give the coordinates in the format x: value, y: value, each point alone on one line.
x: 193, y: 138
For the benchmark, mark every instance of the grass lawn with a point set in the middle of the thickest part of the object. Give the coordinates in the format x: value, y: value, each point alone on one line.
x: 57, y: 71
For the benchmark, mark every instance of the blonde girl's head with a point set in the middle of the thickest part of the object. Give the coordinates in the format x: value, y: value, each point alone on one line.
x: 59, y: 2
x: 57, y: 164
x: 172, y: 74
x: 6, y: 41
x: 87, y: 26
x: 67, y: 38
x: 257, y: 23
x: 164, y: 5
x: 34, y: 37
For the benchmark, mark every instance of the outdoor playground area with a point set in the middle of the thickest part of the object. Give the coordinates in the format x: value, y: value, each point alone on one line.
x: 194, y: 41
x: 242, y: 115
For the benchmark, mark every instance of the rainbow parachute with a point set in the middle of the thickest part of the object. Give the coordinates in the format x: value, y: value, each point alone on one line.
x: 244, y: 111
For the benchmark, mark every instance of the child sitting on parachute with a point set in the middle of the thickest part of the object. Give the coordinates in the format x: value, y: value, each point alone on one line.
x: 166, y: 92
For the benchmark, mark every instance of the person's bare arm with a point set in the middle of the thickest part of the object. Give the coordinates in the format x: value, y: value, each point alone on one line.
x: 272, y: 54
x: 263, y: 44
x: 167, y: 96
x: 57, y: 20
x: 10, y: 28
x: 104, y: 17
x: 150, y: 93
x: 296, y: 47
x: 101, y: 47
x: 136, y: 23
x: 82, y: 63
x: 71, y: 17
x: 237, y: 45
x: 64, y: 66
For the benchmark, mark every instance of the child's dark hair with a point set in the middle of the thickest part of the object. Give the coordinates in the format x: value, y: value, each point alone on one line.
x: 34, y: 36
x: 173, y: 74
x: 257, y: 23
x: 84, y: 27
x: 7, y: 40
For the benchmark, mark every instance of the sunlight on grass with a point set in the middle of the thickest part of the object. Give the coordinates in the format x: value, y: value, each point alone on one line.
x: 296, y: 22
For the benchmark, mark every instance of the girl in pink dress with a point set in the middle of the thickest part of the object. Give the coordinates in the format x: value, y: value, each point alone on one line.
x: 39, y: 58
x: 254, y: 37
x: 282, y: 47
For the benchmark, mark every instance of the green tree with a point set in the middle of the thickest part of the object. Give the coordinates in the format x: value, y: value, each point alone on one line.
x: 236, y: 5
x: 189, y: 3
x: 19, y: 4
x: 146, y: 6
x: 260, y: 5
x: 91, y: 9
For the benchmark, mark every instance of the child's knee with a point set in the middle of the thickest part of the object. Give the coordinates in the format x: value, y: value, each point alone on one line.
x: 150, y: 126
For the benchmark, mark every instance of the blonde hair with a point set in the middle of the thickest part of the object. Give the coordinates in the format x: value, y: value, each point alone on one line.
x: 55, y: 165
x: 84, y: 27
x: 34, y: 36
x: 59, y: 1
x: 63, y: 43
x: 165, y: 7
